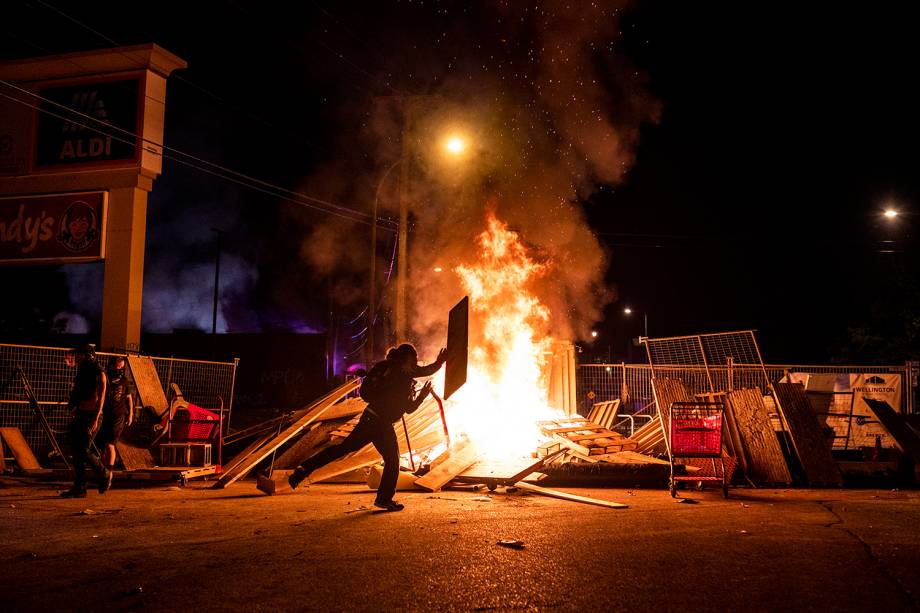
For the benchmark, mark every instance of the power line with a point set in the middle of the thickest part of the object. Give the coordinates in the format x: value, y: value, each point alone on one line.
x: 218, y: 170
x: 177, y: 77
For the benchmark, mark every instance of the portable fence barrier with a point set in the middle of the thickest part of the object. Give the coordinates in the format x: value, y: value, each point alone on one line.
x: 203, y: 383
x: 631, y: 384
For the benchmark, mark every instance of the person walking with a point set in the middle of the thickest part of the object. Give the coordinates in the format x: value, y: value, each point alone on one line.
x: 117, y: 412
x: 389, y: 388
x: 86, y: 399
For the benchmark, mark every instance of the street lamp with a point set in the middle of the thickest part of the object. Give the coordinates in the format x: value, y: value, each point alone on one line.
x: 890, y: 214
x: 628, y: 312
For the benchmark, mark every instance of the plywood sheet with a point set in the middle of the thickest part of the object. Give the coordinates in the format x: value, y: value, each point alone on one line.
x: 147, y: 382
x: 808, y: 440
x: 764, y: 460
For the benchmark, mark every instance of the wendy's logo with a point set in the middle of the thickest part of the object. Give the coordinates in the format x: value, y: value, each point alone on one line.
x: 79, y: 227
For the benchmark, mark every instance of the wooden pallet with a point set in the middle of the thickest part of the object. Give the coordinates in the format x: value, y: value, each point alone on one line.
x: 604, y: 413
x: 585, y: 437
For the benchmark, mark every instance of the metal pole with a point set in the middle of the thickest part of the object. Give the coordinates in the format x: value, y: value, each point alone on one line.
x: 645, y: 322
x: 402, y: 255
x: 216, y: 281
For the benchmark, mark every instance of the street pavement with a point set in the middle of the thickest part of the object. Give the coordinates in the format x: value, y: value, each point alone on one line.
x: 324, y: 548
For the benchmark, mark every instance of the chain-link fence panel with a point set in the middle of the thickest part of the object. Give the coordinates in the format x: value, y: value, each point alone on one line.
x: 205, y: 384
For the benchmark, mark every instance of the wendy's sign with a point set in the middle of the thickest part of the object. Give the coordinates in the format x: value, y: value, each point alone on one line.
x: 52, y: 229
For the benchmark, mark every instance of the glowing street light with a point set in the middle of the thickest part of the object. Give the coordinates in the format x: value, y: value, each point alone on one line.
x: 890, y: 213
x: 593, y: 333
x: 628, y: 311
x: 455, y: 145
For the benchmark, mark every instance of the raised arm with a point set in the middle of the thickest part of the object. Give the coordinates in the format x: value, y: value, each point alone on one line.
x: 430, y: 369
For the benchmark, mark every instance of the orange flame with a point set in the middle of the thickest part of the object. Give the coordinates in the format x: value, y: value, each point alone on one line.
x: 506, y: 391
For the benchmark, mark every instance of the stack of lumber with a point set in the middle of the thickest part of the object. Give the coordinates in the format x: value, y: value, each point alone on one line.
x: 584, y: 438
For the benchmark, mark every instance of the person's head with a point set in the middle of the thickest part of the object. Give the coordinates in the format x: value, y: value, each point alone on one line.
x: 405, y: 355
x: 79, y: 354
x: 116, y: 366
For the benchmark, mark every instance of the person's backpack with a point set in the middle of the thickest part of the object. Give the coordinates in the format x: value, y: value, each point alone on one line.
x: 377, y: 386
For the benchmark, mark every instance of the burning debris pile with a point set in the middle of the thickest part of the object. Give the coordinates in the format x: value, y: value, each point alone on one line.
x: 498, y: 429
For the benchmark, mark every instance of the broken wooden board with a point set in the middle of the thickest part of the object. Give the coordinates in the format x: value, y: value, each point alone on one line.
x: 585, y: 437
x: 807, y: 437
x: 566, y: 496
x: 318, y: 408
x: 20, y: 448
x: 461, y: 457
x: 147, y: 381
x: 763, y: 458
x: 504, y: 472
x: 133, y: 457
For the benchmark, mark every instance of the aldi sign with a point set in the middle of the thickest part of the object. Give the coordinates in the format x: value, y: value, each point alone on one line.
x: 88, y: 123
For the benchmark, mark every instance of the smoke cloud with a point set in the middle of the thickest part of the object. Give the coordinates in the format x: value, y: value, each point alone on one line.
x: 552, y: 111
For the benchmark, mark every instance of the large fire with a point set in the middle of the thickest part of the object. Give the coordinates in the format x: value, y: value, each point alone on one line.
x: 506, y: 390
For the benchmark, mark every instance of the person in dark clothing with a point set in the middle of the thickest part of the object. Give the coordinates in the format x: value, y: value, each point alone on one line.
x: 86, y: 399
x: 395, y: 379
x: 118, y: 410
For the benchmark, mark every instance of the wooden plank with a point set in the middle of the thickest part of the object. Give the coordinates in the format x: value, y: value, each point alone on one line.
x: 321, y: 405
x: 566, y: 496
x: 133, y: 457
x: 423, y: 432
x: 147, y: 382
x: 368, y: 455
x: 20, y: 448
x: 460, y: 459
x: 345, y: 409
x: 808, y: 440
x: 764, y: 461
x: 312, y: 442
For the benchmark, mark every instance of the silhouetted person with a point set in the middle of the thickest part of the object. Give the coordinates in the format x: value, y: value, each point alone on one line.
x: 86, y: 399
x: 389, y: 388
x: 117, y: 412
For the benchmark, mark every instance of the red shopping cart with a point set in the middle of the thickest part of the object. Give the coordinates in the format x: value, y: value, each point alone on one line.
x: 695, y: 431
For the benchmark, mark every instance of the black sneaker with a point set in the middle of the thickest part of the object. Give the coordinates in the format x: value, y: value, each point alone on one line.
x: 73, y: 493
x: 296, y: 478
x: 388, y: 505
x: 106, y: 481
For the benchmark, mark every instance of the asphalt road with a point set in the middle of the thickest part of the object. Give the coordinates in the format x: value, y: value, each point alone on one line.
x: 323, y: 548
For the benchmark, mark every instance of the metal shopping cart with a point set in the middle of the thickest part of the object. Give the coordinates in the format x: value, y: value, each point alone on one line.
x: 695, y: 431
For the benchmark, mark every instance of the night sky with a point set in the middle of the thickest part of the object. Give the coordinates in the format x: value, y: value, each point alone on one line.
x: 731, y: 160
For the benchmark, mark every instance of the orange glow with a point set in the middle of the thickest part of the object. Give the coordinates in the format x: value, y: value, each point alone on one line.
x: 506, y: 392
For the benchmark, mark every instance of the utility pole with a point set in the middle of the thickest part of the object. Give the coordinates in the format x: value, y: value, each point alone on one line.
x: 219, y: 233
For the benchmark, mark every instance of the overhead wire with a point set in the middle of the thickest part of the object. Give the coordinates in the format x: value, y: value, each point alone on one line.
x: 214, y: 169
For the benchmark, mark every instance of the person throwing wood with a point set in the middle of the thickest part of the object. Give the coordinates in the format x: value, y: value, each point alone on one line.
x: 389, y: 389
x: 86, y: 399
